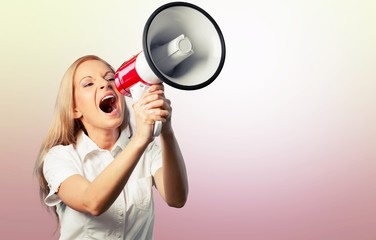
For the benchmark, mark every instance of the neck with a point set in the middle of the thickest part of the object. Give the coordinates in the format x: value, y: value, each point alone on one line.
x: 105, y: 139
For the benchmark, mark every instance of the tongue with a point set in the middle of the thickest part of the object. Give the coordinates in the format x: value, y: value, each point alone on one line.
x: 106, y: 105
x: 108, y: 109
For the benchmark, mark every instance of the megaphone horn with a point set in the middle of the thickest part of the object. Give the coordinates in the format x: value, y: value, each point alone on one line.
x: 182, y: 46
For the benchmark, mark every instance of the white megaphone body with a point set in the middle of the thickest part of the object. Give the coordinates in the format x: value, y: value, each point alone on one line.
x: 182, y: 47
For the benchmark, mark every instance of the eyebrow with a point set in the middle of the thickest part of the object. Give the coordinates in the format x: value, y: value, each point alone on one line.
x: 107, y: 73
x: 86, y: 77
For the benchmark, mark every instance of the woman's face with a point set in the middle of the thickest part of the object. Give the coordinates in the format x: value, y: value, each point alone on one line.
x: 97, y: 103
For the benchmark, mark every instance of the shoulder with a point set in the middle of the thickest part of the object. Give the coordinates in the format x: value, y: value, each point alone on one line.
x: 61, y: 151
x: 59, y: 154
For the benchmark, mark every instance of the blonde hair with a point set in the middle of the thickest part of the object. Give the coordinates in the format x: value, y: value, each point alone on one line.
x: 64, y: 128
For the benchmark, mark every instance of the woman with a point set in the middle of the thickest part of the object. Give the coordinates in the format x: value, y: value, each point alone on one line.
x: 94, y: 171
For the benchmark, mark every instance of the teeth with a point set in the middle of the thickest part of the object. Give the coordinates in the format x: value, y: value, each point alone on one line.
x: 107, y: 103
x: 107, y: 97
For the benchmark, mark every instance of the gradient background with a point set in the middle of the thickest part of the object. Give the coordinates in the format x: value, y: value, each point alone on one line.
x: 282, y: 146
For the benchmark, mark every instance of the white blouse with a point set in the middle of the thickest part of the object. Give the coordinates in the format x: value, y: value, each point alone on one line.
x: 131, y: 216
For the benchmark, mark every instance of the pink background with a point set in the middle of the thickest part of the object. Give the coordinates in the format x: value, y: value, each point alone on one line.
x: 282, y: 146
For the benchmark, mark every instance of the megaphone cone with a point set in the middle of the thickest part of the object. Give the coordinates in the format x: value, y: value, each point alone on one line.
x: 182, y: 46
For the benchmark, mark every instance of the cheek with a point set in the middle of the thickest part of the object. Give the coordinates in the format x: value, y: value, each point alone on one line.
x: 84, y: 102
x: 122, y: 102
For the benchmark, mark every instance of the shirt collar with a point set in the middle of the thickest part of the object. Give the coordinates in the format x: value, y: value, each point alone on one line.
x: 121, y: 143
x: 85, y: 145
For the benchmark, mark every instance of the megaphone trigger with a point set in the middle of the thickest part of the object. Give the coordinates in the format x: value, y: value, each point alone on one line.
x: 137, y: 90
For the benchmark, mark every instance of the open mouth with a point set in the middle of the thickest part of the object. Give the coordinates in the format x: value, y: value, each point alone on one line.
x: 108, y: 104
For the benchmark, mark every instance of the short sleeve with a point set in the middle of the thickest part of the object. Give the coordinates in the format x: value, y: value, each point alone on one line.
x: 155, y: 152
x: 58, y: 166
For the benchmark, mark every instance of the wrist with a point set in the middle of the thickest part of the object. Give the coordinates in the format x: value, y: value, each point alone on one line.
x: 140, y: 142
x: 167, y: 130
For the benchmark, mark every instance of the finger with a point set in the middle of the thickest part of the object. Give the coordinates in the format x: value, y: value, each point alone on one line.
x: 159, y: 113
x: 153, y: 101
x: 152, y: 117
x: 137, y: 106
x: 148, y: 117
x: 155, y: 87
x: 160, y: 103
x: 158, y: 108
x: 158, y: 92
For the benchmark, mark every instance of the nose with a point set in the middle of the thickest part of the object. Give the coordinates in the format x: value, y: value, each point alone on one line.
x: 105, y: 84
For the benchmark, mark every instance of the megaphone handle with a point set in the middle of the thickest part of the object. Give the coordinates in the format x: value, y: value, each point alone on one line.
x: 157, y: 128
x: 137, y: 90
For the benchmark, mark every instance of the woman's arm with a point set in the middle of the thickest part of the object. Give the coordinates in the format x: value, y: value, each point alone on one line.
x: 97, y: 196
x: 171, y: 179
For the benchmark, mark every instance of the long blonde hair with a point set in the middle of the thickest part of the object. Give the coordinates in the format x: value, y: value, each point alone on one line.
x: 64, y: 128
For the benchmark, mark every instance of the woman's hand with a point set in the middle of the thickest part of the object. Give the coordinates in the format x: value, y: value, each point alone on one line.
x: 152, y: 107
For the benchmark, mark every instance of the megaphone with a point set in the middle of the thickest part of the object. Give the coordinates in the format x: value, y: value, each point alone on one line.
x: 183, y: 47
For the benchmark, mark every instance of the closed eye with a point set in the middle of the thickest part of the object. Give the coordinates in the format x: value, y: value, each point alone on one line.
x: 87, y: 84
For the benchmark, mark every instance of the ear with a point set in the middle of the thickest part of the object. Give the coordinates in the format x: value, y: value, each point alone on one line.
x: 77, y: 114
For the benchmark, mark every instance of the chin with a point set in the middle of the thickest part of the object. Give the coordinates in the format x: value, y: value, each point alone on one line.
x: 115, y: 123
